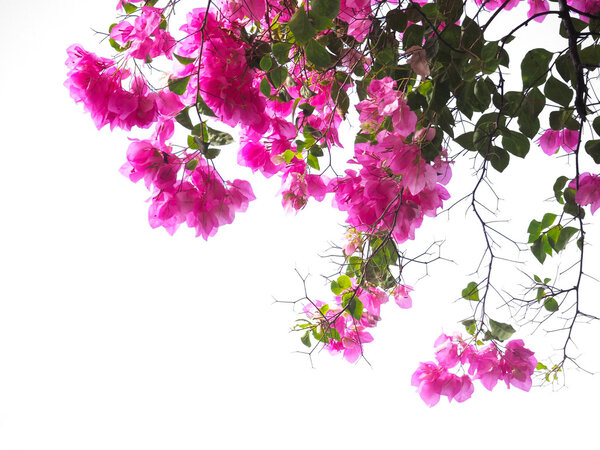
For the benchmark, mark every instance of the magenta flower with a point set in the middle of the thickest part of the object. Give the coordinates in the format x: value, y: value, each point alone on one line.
x: 401, y: 295
x: 552, y: 140
x: 589, y: 190
x: 536, y: 7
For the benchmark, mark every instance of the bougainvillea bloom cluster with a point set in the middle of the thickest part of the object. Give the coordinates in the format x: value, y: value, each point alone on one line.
x: 286, y: 76
x: 489, y: 364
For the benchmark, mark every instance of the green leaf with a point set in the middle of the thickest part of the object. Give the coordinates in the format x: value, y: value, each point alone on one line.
x: 465, y: 140
x: 536, y: 278
x: 538, y: 250
x: 344, y: 282
x: 592, y: 148
x: 306, y: 339
x: 413, y: 35
x: 278, y: 76
x: 217, y: 137
x: 211, y: 153
x: 470, y: 325
x: 558, y: 92
x: 564, y: 66
x: 317, y: 55
x: 178, y: 85
x: 191, y: 164
x: 541, y: 366
x: 204, y: 108
x: 498, y: 157
x: 355, y: 307
x: 129, y: 8
x: 396, y: 19
x: 265, y: 87
x: 501, y: 331
x: 471, y: 292
x: 281, y: 51
x: 559, y: 184
x: 566, y: 233
x: 515, y: 142
x: 336, y: 288
x: 325, y: 8
x: 183, y: 118
x: 184, y: 60
x: 548, y: 220
x: 534, y: 230
x: 313, y: 161
x: 340, y: 98
x: 534, y: 67
x: 301, y: 28
x: 266, y: 63
x: 551, y: 304
x: 451, y: 10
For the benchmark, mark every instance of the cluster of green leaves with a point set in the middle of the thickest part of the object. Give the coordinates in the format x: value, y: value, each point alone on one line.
x: 497, y: 331
x: 546, y: 237
x: 550, y: 303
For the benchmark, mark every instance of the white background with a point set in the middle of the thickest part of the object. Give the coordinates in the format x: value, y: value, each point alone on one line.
x: 113, y: 335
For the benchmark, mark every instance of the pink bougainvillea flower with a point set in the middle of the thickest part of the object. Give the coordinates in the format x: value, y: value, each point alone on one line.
x: 589, y: 190
x: 401, y: 295
x: 570, y: 140
x: 550, y: 141
x: 536, y: 7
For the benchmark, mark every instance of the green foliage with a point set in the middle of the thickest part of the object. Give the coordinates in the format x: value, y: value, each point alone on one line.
x: 534, y: 67
x: 501, y: 331
x: 178, y: 85
x: 300, y: 26
x: 471, y: 292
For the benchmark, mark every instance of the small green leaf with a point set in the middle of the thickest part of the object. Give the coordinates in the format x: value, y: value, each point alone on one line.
x: 592, y: 148
x: 281, y: 51
x: 325, y: 8
x: 129, y: 8
x: 211, y: 153
x: 191, y: 164
x: 566, y: 233
x: 184, y: 60
x: 278, y: 76
x: 541, y: 366
x: 537, y: 279
x: 306, y: 339
x: 336, y: 288
x: 183, y: 118
x: 344, y: 282
x: 465, y: 140
x: 558, y: 92
x: 515, y: 142
x: 266, y: 63
x: 216, y: 137
x: 470, y: 325
x: 313, y: 161
x: 534, y: 230
x: 538, y: 250
x: 178, y: 85
x: 300, y: 26
x: 396, y: 19
x: 204, y: 108
x: 355, y: 307
x: 471, y: 292
x: 317, y: 55
x: 548, y: 220
x: 551, y: 304
x: 559, y: 184
x: 534, y: 67
x: 265, y: 87
x: 501, y: 331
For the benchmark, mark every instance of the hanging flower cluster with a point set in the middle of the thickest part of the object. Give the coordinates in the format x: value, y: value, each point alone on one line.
x: 489, y: 364
x: 285, y: 75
